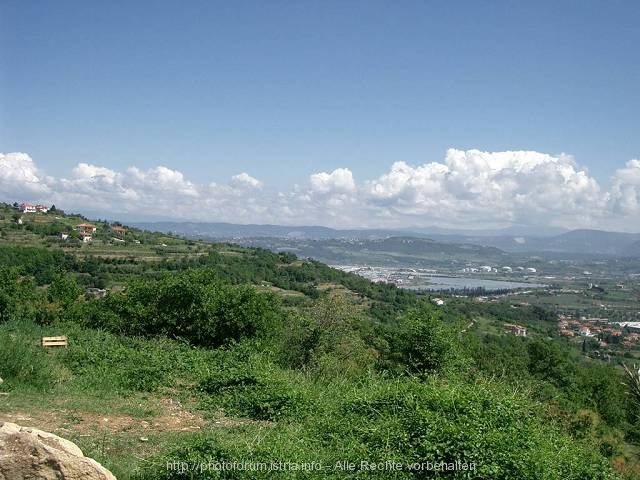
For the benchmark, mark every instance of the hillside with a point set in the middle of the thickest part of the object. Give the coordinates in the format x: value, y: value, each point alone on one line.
x: 585, y: 242
x: 198, y: 353
x: 389, y: 251
x: 344, y: 245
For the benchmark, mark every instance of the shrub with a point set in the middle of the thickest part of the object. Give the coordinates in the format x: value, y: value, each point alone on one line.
x: 193, y: 306
x: 421, y: 343
x: 265, y: 401
x: 331, y: 340
x: 266, y: 397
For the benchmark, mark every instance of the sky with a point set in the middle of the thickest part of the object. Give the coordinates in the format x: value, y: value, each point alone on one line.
x: 479, y: 114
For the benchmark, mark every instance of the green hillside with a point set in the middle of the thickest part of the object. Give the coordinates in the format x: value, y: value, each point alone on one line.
x: 185, y: 356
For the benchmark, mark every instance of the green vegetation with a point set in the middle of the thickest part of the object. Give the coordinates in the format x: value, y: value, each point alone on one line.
x: 203, y: 354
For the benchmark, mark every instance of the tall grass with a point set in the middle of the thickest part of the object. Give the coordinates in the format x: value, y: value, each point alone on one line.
x: 23, y: 363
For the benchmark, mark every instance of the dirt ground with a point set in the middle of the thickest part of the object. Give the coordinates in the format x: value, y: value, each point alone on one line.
x: 171, y: 416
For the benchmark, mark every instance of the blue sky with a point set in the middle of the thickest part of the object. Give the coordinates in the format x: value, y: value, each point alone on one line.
x: 285, y: 90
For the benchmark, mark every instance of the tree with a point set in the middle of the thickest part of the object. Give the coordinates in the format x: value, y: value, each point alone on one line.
x: 333, y: 339
x: 64, y: 290
x: 193, y: 306
x: 422, y: 343
x: 18, y: 295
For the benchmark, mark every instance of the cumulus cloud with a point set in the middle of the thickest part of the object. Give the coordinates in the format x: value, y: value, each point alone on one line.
x: 160, y: 179
x: 84, y: 171
x: 19, y: 176
x: 338, y: 181
x: 625, y: 189
x: 479, y: 187
x: 245, y: 180
x: 465, y: 189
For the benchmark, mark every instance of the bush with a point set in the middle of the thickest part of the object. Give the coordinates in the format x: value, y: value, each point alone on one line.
x: 193, y: 306
x: 333, y: 339
x: 421, y: 343
x: 240, y: 389
x: 266, y: 401
x: 189, y: 454
x: 19, y: 298
x: 64, y: 290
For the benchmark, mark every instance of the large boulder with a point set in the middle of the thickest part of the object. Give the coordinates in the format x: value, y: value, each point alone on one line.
x: 31, y: 454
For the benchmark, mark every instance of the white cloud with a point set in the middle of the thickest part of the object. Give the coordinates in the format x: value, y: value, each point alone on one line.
x: 245, y: 180
x: 465, y: 189
x: 338, y: 181
x: 489, y: 187
x: 160, y: 179
x: 625, y: 189
x: 94, y: 187
x: 84, y: 171
x: 19, y: 176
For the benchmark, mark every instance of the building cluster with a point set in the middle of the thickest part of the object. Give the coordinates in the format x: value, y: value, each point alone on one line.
x: 598, y: 328
x: 86, y: 231
x: 504, y: 269
x: 517, y: 330
x: 31, y: 208
x: 393, y: 275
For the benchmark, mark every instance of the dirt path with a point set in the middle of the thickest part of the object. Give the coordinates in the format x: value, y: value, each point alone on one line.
x: 171, y: 417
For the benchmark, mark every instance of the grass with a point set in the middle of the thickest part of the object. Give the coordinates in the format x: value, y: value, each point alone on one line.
x: 136, y: 404
x: 103, y: 392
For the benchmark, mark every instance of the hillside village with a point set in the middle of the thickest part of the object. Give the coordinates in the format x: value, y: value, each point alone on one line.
x: 601, y: 329
x: 85, y: 232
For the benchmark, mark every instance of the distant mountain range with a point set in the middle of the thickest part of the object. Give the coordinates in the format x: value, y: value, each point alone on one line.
x: 231, y: 230
x: 513, y: 240
x: 595, y: 242
x: 390, y: 251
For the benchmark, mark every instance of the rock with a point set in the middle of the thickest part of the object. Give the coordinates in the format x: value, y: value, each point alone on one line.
x: 29, y: 453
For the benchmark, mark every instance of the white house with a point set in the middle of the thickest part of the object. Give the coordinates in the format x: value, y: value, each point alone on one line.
x: 27, y: 208
x: 30, y: 208
x: 517, y: 330
x: 86, y: 228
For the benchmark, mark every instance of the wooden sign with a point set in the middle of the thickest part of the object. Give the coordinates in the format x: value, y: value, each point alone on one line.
x: 55, y: 341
